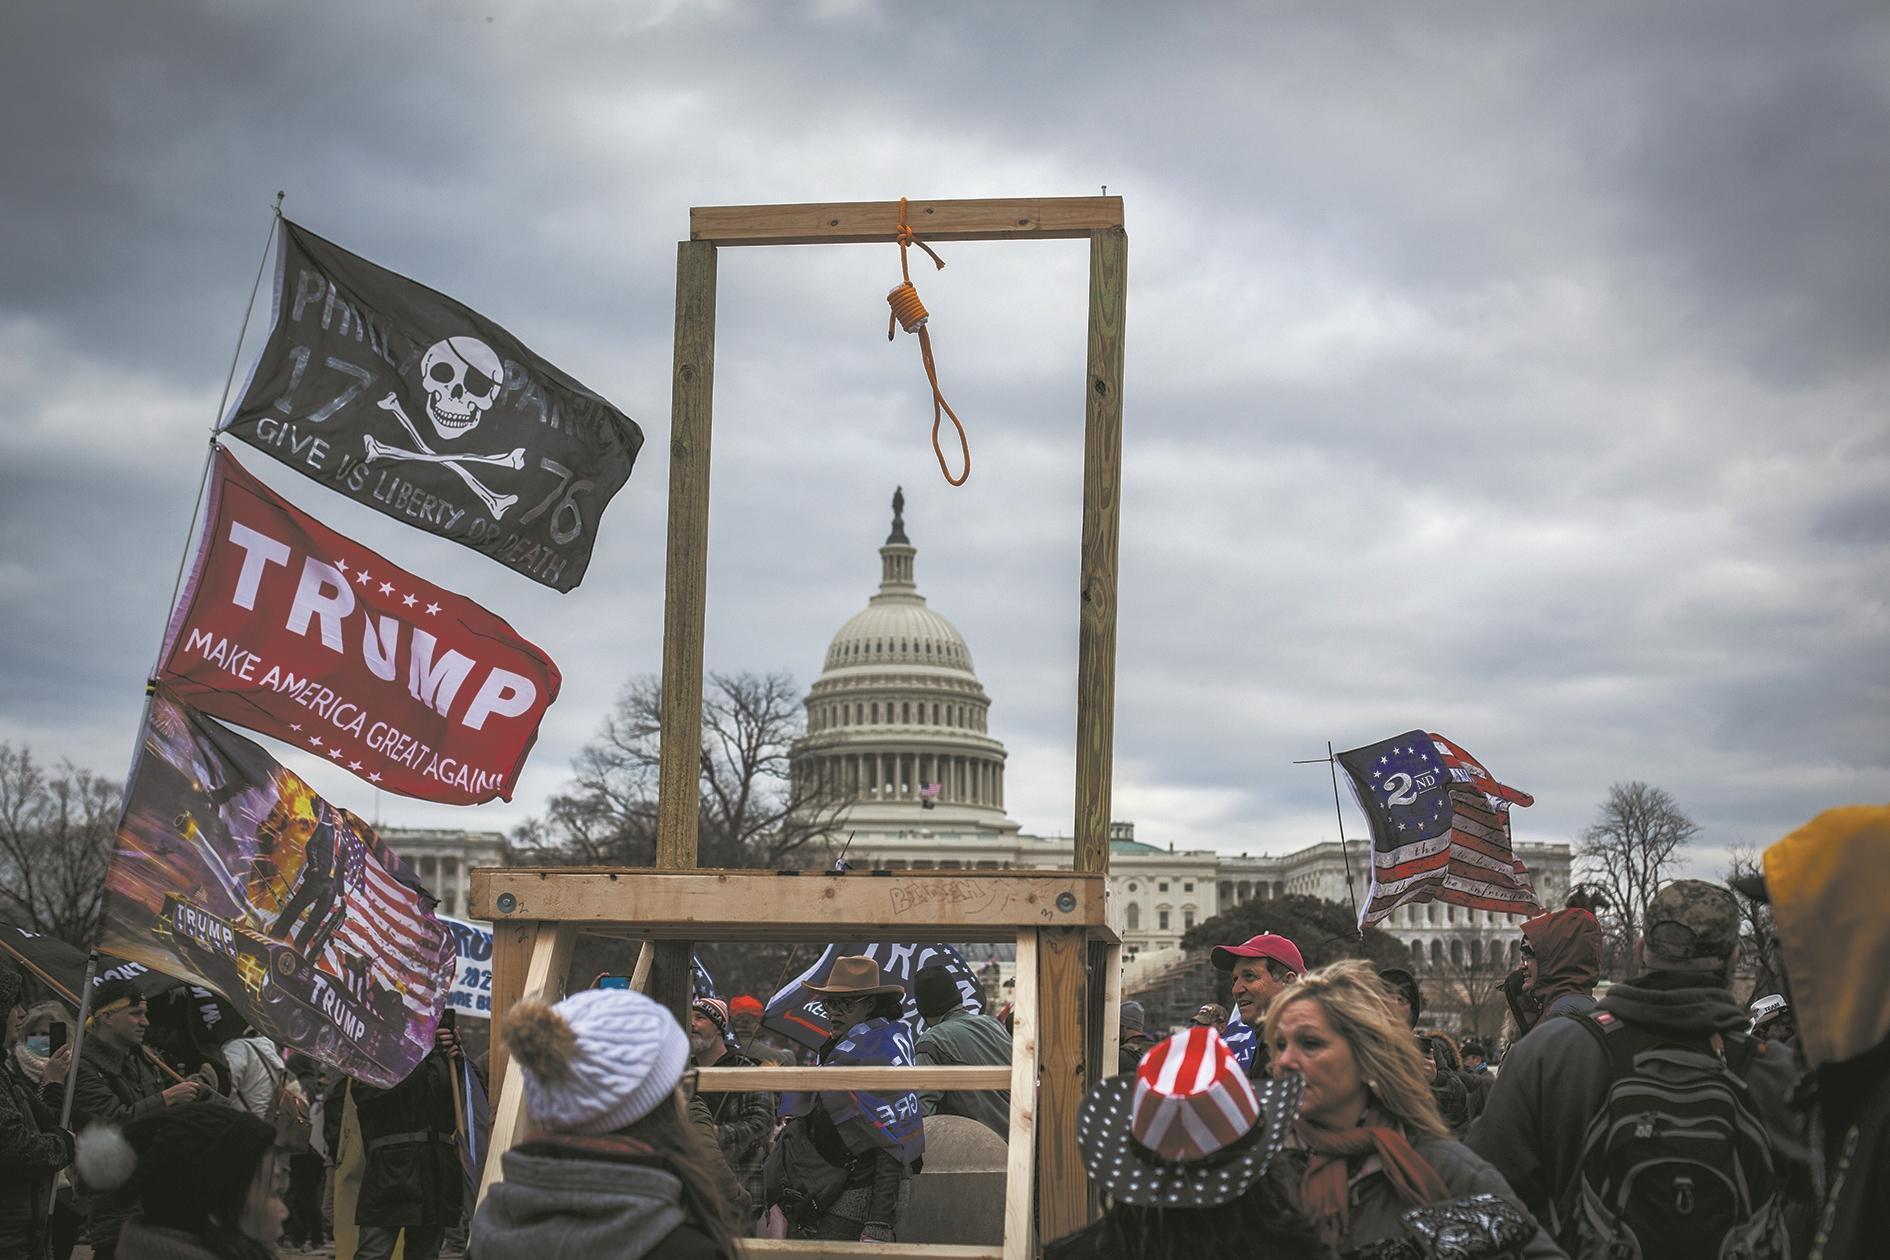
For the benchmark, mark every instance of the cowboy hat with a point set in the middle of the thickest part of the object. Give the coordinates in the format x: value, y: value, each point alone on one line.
x: 853, y: 977
x: 1186, y: 1129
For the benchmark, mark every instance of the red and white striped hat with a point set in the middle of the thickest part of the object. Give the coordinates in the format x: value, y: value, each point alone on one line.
x: 1187, y: 1129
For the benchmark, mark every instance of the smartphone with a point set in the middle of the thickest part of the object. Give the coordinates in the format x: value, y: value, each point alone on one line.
x: 57, y: 1033
x: 612, y: 982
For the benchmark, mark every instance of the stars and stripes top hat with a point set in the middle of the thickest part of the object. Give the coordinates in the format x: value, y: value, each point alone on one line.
x: 1187, y: 1129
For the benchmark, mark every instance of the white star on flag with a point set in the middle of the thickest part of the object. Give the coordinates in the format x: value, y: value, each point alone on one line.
x: 354, y: 765
x: 295, y: 726
x: 361, y: 577
x: 375, y: 777
x: 315, y: 741
x: 387, y: 588
x: 342, y: 565
x: 408, y: 600
x: 335, y: 753
x: 432, y: 609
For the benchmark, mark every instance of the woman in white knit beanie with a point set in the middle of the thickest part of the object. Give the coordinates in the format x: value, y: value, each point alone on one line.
x: 610, y: 1166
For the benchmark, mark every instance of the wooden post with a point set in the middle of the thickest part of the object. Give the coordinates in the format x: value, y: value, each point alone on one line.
x: 548, y: 960
x: 1062, y: 1001
x: 691, y: 408
x: 1019, y: 1184
x: 512, y: 943
x: 1102, y: 492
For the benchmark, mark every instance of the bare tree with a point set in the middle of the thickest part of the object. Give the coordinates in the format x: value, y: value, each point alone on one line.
x: 751, y: 811
x: 1472, y: 990
x: 56, y: 833
x: 1626, y: 852
x: 1758, y: 940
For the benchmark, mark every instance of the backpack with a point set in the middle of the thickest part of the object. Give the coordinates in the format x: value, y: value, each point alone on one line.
x: 1676, y: 1164
x: 288, y: 1108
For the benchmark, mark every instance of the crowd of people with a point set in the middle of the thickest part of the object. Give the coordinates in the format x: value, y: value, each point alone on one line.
x: 1657, y: 1117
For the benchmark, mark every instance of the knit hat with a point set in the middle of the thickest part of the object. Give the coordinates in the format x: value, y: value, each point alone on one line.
x: 194, y: 1161
x: 935, y: 990
x: 597, y: 1061
x: 746, y: 1004
x: 110, y: 995
x: 1132, y: 1018
x: 716, y: 1010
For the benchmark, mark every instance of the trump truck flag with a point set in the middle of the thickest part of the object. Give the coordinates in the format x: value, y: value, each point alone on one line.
x: 1440, y: 828
x: 290, y: 629
x: 232, y: 873
x: 421, y: 408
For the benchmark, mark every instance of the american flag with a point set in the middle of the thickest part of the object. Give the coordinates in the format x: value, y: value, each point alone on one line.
x: 389, y: 921
x: 1440, y: 828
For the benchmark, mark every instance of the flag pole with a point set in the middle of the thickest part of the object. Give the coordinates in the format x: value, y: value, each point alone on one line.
x: 81, y: 1002
x: 1332, y: 764
x: 72, y: 1066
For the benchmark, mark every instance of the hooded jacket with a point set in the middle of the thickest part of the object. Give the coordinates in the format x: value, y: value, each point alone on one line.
x: 584, y: 1197
x: 1556, y: 1078
x: 32, y: 1148
x: 1829, y: 883
x: 1567, y: 946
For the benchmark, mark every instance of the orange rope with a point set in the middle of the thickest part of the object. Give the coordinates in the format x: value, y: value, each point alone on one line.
x: 910, y: 314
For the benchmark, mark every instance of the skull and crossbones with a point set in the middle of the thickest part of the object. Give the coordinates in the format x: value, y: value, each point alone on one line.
x: 462, y: 377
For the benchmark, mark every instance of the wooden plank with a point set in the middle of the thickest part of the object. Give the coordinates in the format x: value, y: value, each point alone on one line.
x: 1062, y: 988
x: 691, y: 407
x: 890, y: 1251
x: 776, y: 1079
x: 867, y: 222
x: 1112, y: 1012
x: 669, y: 904
x: 1020, y: 1186
x: 544, y: 976
x: 512, y: 943
x: 1102, y: 493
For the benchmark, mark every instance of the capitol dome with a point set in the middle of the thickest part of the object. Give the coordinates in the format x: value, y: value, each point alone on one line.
x: 896, y: 723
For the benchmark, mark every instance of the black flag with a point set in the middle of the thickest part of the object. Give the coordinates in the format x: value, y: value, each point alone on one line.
x: 405, y: 400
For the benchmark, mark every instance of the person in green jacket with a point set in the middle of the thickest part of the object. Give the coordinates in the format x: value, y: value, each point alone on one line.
x: 957, y: 1037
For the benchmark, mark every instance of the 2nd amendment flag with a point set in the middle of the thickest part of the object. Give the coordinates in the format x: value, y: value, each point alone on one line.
x: 421, y: 408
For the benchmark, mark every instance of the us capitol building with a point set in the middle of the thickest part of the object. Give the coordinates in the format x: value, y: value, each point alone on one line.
x: 898, y: 728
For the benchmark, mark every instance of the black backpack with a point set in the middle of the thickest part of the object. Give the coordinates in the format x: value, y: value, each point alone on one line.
x: 1676, y: 1164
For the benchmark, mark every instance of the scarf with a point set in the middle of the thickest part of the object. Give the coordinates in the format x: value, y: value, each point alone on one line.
x: 1324, y: 1190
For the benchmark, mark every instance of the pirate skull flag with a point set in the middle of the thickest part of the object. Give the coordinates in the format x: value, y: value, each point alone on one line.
x: 404, y: 400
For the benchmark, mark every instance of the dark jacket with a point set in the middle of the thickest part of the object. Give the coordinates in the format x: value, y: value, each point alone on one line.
x: 32, y: 1148
x: 1555, y: 1080
x: 115, y: 1087
x: 1567, y: 946
x: 960, y: 1038
x: 140, y: 1241
x: 743, y: 1125
x: 1453, y: 1100
x: 583, y: 1197
x: 413, y: 1174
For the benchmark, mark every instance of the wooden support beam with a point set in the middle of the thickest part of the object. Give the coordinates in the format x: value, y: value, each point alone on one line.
x: 691, y: 407
x: 1063, y: 997
x: 1020, y: 1168
x: 879, y: 1251
x: 697, y: 904
x: 511, y: 953
x: 869, y: 222
x: 1102, y: 509
x: 776, y: 1079
x: 549, y: 960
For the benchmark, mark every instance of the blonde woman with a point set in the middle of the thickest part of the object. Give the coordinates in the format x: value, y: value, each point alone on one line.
x: 1373, y: 1144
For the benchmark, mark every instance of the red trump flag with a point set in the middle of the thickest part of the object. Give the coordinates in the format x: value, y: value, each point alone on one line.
x: 289, y: 629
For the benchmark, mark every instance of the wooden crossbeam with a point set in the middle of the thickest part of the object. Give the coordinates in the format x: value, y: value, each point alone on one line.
x: 868, y: 222
x: 814, y: 1079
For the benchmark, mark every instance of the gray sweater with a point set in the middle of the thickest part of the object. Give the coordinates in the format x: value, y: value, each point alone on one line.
x: 557, y: 1206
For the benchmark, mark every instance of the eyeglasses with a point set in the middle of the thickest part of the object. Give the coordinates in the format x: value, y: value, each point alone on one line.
x: 690, y: 1078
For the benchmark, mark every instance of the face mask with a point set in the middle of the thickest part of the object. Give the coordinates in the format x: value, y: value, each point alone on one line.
x: 41, y: 1046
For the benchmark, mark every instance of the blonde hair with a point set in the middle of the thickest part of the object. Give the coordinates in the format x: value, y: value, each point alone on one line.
x: 1360, y: 1009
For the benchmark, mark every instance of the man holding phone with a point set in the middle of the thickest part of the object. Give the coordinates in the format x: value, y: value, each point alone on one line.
x: 118, y: 1084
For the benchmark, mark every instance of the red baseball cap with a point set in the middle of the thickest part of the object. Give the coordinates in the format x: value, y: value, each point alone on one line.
x: 745, y: 1005
x: 1265, y: 945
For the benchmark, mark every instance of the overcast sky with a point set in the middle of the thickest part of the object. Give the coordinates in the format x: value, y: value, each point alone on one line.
x: 1516, y: 372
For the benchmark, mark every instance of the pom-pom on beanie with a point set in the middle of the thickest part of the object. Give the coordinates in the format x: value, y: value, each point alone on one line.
x: 597, y: 1061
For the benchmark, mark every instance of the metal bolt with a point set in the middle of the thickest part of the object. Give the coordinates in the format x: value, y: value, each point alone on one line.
x: 1066, y: 901
x: 507, y: 903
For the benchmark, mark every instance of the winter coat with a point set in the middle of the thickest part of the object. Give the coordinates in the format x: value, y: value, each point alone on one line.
x: 114, y: 1087
x: 1452, y: 1099
x: 140, y: 1241
x: 1828, y: 883
x: 960, y: 1038
x: 579, y: 1198
x: 256, y: 1073
x: 413, y: 1175
x: 1376, y: 1208
x: 32, y: 1148
x: 1555, y: 1080
x: 742, y: 1126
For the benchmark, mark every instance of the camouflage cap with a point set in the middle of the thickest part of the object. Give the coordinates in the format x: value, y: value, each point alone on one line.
x: 1691, y: 918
